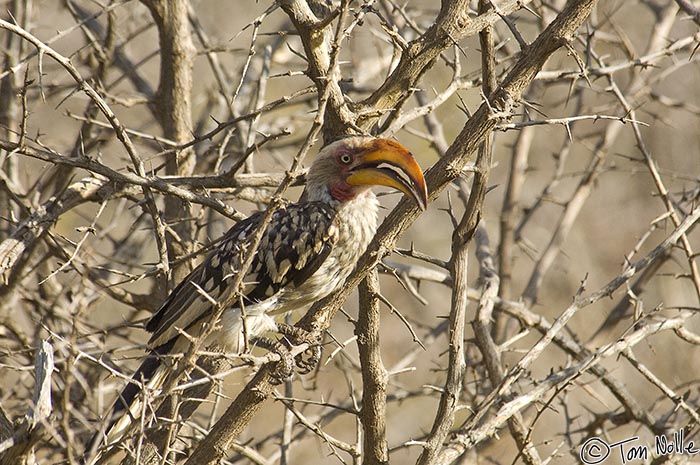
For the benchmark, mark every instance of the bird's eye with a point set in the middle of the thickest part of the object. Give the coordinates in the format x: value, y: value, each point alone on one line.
x: 345, y: 158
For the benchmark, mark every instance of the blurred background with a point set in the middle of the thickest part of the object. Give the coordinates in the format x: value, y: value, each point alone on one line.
x: 573, y: 201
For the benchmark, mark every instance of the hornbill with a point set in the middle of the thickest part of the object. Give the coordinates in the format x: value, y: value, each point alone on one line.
x: 307, y: 250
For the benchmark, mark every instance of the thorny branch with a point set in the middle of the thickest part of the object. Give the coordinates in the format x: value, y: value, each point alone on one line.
x: 578, y: 121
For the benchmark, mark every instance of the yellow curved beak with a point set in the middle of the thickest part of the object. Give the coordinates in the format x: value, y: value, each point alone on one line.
x: 388, y: 163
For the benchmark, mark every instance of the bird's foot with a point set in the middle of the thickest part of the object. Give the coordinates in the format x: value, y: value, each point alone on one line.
x: 284, y: 369
x: 307, y: 360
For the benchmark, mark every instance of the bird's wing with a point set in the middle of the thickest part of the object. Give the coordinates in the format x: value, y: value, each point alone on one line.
x: 296, y: 242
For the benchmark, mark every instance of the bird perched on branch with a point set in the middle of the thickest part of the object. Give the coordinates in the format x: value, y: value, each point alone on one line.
x: 306, y: 252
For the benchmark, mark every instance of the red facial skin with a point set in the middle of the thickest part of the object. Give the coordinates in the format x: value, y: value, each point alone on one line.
x: 343, y: 191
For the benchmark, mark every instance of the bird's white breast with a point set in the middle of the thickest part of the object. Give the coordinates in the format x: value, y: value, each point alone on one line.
x: 356, y: 224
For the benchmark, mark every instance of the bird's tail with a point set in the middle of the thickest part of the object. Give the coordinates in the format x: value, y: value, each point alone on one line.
x: 154, y: 370
x: 128, y: 407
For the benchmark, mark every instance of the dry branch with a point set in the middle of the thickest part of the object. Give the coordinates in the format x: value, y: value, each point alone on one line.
x: 18, y: 441
x: 375, y: 378
x: 585, y: 157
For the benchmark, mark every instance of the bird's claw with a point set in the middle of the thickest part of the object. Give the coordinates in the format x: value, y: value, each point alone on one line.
x: 307, y: 360
x: 284, y: 369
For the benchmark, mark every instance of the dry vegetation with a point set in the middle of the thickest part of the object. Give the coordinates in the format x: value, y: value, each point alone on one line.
x: 547, y: 296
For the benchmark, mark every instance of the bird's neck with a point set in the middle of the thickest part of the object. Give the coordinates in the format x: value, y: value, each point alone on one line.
x: 356, y: 213
x: 357, y: 219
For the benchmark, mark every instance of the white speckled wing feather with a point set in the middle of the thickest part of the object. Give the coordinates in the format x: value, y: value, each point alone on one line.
x: 295, y: 244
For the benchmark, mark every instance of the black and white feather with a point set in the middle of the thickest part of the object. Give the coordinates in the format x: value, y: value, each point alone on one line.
x: 296, y: 242
x: 297, y: 263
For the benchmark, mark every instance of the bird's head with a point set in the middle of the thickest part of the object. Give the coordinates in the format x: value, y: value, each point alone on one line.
x: 351, y: 165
